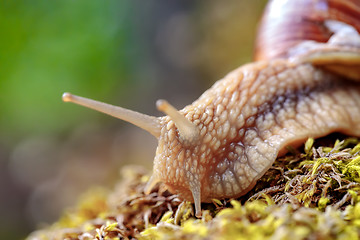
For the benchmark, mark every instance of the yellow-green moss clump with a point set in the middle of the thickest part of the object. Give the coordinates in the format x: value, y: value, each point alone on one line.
x: 312, y: 194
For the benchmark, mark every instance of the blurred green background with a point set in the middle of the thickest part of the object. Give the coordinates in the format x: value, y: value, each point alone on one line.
x: 128, y: 53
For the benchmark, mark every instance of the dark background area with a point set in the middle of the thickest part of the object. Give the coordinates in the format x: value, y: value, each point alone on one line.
x: 127, y: 53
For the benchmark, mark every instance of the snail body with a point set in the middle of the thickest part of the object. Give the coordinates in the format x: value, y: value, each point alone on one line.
x: 221, y: 144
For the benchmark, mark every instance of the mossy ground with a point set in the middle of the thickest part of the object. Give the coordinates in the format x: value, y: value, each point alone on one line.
x: 308, y: 194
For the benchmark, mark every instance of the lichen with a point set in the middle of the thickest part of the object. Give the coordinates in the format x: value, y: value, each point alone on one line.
x: 309, y: 194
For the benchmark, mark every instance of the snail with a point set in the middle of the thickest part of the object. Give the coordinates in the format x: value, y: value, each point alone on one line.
x: 302, y: 84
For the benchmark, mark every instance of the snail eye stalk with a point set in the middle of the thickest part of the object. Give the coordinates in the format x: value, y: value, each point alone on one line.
x: 148, y: 123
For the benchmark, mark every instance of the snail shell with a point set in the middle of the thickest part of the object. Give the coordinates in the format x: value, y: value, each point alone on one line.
x: 286, y: 23
x: 221, y: 144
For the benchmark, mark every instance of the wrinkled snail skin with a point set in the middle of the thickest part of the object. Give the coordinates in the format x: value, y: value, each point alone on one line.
x: 221, y: 144
x: 245, y: 120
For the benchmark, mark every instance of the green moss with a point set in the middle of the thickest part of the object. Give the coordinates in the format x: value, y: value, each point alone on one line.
x: 312, y: 194
x: 93, y: 204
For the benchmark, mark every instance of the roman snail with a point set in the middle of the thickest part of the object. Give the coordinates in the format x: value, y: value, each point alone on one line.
x: 302, y: 84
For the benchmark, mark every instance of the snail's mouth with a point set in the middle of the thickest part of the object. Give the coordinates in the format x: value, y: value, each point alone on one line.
x: 183, y: 192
